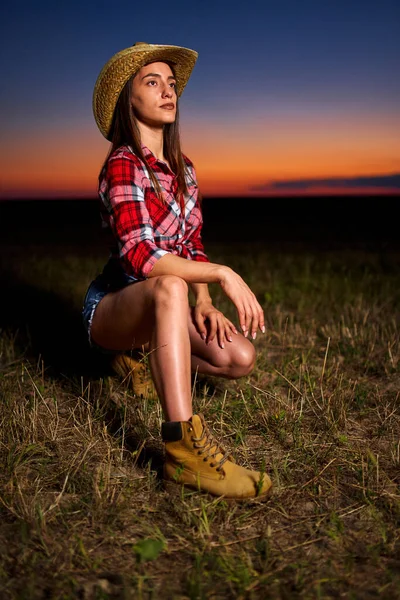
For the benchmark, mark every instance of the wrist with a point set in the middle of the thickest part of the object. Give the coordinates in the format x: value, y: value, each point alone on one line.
x: 222, y: 272
x: 203, y: 300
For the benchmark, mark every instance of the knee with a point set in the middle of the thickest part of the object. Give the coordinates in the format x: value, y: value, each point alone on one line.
x: 243, y: 359
x: 170, y: 289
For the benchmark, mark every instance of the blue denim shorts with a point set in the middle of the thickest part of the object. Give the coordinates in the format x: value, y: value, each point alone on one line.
x: 96, y: 291
x: 111, y: 279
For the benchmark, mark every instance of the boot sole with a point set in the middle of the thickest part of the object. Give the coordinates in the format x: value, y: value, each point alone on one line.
x: 176, y: 489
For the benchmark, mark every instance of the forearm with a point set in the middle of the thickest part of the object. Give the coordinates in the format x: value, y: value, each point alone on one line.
x: 191, y: 271
x: 196, y: 272
x: 201, y: 292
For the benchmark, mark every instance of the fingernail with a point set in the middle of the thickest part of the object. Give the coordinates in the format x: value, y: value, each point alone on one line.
x: 222, y: 346
x: 263, y: 329
x: 246, y: 333
x: 203, y: 335
x: 254, y: 336
x: 230, y: 339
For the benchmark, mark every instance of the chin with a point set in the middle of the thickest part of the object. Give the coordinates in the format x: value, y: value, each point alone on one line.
x: 169, y: 118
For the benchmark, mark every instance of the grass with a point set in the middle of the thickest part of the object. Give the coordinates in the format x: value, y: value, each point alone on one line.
x: 83, y: 510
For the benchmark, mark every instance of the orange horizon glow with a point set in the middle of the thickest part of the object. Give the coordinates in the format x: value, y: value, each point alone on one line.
x: 229, y: 160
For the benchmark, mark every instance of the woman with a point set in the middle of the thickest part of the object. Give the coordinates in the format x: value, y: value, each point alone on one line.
x: 150, y: 205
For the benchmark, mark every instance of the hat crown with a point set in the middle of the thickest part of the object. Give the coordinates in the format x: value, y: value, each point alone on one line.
x: 141, y: 44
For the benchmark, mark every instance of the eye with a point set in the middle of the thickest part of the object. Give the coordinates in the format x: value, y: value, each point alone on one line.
x: 173, y: 84
x: 151, y: 81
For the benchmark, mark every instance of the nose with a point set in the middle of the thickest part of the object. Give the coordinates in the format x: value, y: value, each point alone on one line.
x: 167, y: 91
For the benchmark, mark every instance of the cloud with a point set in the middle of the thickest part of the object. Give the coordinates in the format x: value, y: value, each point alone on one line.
x: 374, y: 181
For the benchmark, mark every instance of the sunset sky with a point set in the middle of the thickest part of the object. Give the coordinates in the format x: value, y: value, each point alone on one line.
x: 287, y: 97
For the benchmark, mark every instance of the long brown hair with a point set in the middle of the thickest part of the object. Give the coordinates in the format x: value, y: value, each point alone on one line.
x: 124, y: 130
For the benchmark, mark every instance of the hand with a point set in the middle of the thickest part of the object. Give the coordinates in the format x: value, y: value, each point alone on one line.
x: 251, y: 315
x: 218, y: 325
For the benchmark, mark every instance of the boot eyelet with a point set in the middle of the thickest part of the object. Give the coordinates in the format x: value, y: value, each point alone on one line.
x: 190, y: 429
x: 199, y: 452
x: 205, y: 459
x: 212, y: 465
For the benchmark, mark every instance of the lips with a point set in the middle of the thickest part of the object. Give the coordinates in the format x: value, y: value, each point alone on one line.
x: 169, y: 106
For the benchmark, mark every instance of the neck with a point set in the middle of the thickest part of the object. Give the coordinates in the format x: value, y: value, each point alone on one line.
x: 153, y: 138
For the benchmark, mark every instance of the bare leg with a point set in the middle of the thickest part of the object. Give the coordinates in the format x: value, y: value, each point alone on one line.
x: 152, y: 313
x: 169, y: 356
x: 236, y: 360
x: 155, y: 313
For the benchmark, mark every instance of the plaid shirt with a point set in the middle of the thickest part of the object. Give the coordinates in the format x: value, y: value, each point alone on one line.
x: 143, y: 227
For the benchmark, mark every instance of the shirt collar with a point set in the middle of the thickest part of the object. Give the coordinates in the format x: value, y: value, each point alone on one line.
x: 152, y: 159
x: 149, y: 156
x: 146, y: 152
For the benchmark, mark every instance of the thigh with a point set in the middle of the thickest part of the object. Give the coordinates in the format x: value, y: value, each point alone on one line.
x: 123, y: 320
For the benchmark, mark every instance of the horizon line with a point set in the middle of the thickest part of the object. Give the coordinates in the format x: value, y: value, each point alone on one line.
x: 281, y: 196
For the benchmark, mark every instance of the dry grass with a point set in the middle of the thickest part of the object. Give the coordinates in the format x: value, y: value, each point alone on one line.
x: 82, y: 505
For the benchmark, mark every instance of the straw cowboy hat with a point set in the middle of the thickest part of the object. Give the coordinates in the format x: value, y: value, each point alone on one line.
x: 124, y: 64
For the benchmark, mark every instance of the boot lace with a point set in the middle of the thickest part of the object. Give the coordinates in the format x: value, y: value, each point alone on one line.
x: 205, y: 443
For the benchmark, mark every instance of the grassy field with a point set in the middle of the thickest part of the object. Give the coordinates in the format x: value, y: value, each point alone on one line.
x: 83, y: 510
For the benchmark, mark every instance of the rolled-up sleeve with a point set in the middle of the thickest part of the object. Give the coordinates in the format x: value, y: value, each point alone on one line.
x: 195, y: 246
x: 123, y: 198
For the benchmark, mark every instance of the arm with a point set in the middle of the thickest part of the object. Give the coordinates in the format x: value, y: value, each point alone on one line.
x: 201, y: 293
x: 209, y: 321
x: 122, y: 193
x: 193, y: 272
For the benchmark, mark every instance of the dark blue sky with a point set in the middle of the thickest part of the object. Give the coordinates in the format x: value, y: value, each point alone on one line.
x: 322, y: 50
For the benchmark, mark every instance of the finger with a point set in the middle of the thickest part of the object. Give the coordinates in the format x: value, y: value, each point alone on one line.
x: 242, y: 319
x: 249, y: 318
x: 221, y: 331
x: 232, y: 326
x: 255, y: 315
x: 255, y: 319
x: 254, y: 326
x: 200, y: 324
x: 261, y: 320
x: 228, y: 331
x: 212, y: 328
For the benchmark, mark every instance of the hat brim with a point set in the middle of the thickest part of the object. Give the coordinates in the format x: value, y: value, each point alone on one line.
x: 118, y: 70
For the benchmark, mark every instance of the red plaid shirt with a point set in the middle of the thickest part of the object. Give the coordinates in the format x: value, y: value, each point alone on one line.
x: 143, y: 227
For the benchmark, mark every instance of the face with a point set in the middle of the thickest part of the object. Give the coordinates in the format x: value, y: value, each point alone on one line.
x: 153, y: 95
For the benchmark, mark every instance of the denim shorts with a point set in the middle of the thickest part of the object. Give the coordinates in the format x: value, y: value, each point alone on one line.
x: 96, y: 291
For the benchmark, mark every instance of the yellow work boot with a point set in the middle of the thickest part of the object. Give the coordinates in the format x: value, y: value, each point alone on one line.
x: 194, y: 458
x: 135, y: 373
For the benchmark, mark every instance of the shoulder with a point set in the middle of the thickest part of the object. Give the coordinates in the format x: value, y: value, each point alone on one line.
x: 125, y: 154
x: 123, y: 167
x: 123, y: 161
